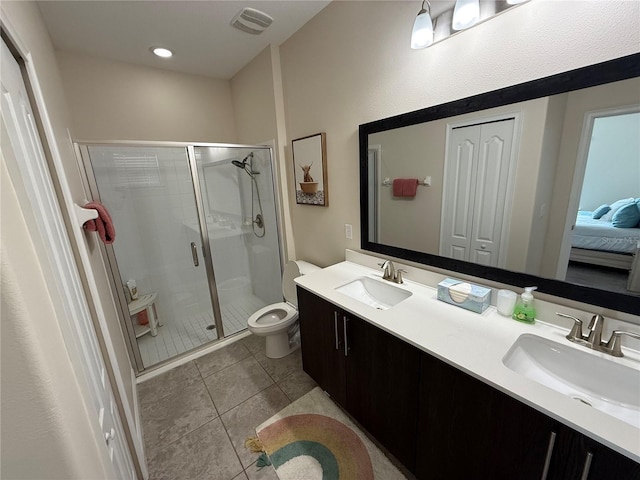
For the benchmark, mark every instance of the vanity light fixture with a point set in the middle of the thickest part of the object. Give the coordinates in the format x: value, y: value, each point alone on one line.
x: 161, y: 52
x: 422, y: 33
x: 465, y: 14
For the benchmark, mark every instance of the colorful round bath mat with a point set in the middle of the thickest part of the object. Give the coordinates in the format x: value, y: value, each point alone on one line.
x: 313, y: 439
x: 331, y: 444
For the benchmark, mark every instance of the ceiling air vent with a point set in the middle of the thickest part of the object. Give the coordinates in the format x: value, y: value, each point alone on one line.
x: 252, y: 21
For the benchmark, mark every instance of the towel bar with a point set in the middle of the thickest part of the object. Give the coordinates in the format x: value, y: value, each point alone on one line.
x: 85, y: 214
x: 387, y: 182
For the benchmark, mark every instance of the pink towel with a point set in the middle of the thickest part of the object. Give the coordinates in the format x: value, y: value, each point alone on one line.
x: 405, y: 187
x: 397, y: 187
x: 103, y: 224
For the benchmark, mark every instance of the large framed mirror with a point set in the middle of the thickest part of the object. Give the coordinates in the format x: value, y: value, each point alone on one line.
x: 510, y: 183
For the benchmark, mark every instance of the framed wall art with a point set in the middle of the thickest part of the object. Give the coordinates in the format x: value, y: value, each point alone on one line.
x: 310, y: 169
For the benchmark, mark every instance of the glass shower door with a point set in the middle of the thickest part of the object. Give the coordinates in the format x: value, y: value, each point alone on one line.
x: 237, y: 191
x: 150, y: 195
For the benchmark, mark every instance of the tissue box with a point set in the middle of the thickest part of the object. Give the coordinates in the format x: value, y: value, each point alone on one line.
x: 463, y: 294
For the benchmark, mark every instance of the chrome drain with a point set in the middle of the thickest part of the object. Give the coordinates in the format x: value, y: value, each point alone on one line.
x: 582, y: 400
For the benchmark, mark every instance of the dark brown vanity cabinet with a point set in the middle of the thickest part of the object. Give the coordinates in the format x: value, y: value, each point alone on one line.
x: 370, y: 373
x: 321, y: 334
x: 574, y: 454
x: 440, y: 422
x: 468, y: 429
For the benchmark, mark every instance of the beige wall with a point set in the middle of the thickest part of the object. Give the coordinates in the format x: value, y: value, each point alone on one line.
x: 252, y: 95
x: 256, y: 93
x: 24, y: 23
x: 550, y: 146
x: 352, y: 64
x: 111, y: 100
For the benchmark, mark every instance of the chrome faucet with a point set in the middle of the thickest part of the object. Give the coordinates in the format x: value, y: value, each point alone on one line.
x: 388, y: 270
x: 390, y: 273
x: 595, y: 330
x: 593, y: 339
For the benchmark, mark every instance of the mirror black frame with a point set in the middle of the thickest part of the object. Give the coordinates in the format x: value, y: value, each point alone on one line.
x: 610, y: 71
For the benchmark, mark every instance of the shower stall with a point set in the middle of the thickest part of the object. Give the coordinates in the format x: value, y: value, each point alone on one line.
x: 197, y: 233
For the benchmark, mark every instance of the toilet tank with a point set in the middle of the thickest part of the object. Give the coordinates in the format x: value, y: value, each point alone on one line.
x: 292, y: 270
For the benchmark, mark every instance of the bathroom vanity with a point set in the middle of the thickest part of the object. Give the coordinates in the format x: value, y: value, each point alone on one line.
x: 431, y: 383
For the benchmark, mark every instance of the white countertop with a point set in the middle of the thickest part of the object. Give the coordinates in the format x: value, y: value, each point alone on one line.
x: 476, y: 343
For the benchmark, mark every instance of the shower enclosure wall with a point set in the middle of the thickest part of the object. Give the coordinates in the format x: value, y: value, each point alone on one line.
x: 198, y: 226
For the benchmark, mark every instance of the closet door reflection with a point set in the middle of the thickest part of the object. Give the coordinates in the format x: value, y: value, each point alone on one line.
x: 239, y: 206
x: 149, y: 193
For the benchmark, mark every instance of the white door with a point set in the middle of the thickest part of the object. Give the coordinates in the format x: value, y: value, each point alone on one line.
x: 475, y: 191
x: 32, y: 169
x: 492, y: 175
x: 458, y: 193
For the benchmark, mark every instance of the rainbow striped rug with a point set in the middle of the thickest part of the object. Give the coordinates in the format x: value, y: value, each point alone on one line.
x: 312, y: 439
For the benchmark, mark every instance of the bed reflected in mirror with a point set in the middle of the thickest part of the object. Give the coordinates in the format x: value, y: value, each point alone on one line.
x: 606, y: 233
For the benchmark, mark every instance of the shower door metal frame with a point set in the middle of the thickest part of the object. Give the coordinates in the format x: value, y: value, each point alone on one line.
x: 206, y: 247
x: 117, y: 288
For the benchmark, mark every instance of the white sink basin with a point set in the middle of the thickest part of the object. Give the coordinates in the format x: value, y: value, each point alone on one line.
x: 587, y: 377
x: 375, y: 293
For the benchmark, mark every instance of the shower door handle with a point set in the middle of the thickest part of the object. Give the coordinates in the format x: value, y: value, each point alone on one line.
x: 194, y: 254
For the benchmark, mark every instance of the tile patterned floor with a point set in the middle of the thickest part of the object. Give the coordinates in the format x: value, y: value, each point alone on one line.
x: 177, y: 336
x: 197, y: 416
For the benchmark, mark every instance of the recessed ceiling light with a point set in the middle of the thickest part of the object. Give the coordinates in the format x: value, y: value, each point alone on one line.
x: 161, y: 52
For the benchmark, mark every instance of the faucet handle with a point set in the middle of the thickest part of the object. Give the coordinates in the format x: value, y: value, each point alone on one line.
x: 398, y: 277
x: 612, y: 347
x: 576, y: 330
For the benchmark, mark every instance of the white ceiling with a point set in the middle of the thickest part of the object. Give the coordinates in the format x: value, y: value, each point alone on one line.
x: 199, y: 32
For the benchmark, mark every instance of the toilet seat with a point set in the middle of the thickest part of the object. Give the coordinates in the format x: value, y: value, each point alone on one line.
x: 275, y: 321
x: 272, y: 318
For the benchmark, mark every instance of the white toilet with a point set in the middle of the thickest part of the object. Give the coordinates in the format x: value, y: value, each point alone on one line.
x: 278, y: 321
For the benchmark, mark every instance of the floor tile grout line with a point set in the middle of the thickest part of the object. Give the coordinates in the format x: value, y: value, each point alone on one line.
x: 261, y: 390
x: 232, y: 445
x: 182, y: 436
x: 215, y: 407
x: 257, y: 355
x: 149, y: 460
x: 226, y: 366
x: 244, y: 401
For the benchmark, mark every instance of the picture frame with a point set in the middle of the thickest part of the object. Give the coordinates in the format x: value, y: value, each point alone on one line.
x: 310, y: 169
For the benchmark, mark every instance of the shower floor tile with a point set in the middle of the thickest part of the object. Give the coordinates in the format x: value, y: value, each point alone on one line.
x: 235, y: 314
x: 179, y: 335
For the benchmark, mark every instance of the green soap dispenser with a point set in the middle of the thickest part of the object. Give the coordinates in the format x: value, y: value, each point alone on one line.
x: 525, y: 311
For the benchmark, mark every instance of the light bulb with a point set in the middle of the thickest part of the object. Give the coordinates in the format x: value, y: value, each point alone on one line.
x: 162, y: 52
x: 465, y: 14
x: 422, y: 33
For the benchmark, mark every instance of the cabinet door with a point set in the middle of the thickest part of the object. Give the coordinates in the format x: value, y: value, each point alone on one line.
x: 578, y: 457
x: 519, y: 437
x: 322, y: 337
x: 382, y: 387
x: 467, y: 429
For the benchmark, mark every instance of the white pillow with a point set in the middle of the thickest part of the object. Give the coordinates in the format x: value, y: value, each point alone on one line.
x: 615, y: 206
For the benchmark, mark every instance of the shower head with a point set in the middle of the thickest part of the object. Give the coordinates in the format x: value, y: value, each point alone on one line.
x: 243, y: 165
